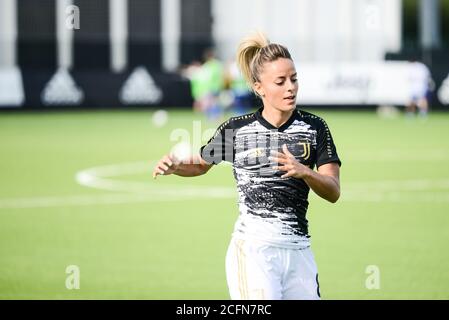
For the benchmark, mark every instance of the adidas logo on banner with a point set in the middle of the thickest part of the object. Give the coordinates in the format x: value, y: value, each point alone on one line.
x: 140, y: 88
x: 61, y: 90
x: 443, y: 92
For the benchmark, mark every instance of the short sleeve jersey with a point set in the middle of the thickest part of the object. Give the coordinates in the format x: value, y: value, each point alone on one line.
x: 272, y: 209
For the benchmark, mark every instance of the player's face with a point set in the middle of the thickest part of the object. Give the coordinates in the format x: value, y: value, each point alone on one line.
x: 278, y: 85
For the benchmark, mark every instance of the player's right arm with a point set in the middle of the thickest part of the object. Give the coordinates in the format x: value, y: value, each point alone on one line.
x: 219, y: 148
x: 195, y: 166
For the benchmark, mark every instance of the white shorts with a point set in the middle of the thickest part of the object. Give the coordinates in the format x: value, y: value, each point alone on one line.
x: 257, y: 271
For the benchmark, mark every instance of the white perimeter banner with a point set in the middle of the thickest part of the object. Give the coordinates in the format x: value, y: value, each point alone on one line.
x: 11, y: 88
x: 376, y: 83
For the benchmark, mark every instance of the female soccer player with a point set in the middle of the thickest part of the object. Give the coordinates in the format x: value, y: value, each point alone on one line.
x: 273, y: 152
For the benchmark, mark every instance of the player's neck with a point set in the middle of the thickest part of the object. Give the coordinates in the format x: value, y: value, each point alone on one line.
x: 276, y: 117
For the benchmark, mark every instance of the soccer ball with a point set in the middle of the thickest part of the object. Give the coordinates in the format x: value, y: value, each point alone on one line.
x: 387, y: 112
x: 181, y: 152
x: 160, y: 118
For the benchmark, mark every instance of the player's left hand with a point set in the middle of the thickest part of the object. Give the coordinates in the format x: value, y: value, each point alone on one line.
x: 288, y: 163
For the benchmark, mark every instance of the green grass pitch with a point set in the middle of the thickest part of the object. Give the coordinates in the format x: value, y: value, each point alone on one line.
x: 133, y: 237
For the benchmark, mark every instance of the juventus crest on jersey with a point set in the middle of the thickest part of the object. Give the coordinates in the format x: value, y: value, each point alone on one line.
x: 272, y: 209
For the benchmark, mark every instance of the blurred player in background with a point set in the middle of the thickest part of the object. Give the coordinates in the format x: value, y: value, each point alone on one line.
x: 273, y: 152
x: 240, y: 90
x: 206, y: 84
x: 214, y: 82
x: 420, y: 80
x: 198, y: 89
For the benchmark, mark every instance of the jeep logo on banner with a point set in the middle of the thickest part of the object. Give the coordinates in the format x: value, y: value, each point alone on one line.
x: 140, y: 88
x: 61, y: 90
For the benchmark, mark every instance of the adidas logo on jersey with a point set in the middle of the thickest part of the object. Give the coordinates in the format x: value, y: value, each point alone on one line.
x: 140, y: 88
x: 62, y: 90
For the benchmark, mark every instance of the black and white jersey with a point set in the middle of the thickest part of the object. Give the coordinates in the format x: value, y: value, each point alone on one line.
x: 272, y: 209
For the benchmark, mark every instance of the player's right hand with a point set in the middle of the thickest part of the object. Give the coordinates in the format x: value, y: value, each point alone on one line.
x: 165, y: 166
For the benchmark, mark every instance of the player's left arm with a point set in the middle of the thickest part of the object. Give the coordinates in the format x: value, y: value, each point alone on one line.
x: 325, y: 182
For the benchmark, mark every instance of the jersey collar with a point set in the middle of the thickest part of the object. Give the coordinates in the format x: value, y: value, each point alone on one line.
x: 269, y: 126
